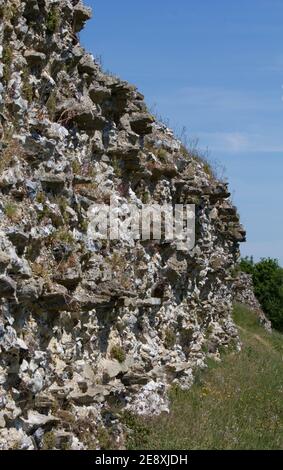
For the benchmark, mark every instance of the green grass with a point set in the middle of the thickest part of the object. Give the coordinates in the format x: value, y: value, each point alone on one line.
x: 11, y: 211
x: 118, y: 353
x: 235, y: 404
x: 53, y: 20
x: 7, y: 62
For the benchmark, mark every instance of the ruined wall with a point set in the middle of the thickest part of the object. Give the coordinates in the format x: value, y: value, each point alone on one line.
x: 77, y: 342
x: 244, y: 294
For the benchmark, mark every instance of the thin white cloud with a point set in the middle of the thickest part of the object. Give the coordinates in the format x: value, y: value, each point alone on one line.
x: 238, y: 142
x: 223, y: 99
x: 248, y: 108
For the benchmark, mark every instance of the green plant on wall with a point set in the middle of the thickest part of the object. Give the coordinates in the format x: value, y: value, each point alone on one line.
x: 51, y: 105
x: 118, y: 353
x: 53, y: 20
x: 7, y: 58
x: 27, y: 87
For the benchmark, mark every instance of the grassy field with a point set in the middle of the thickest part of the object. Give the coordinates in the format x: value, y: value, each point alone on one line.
x: 235, y: 404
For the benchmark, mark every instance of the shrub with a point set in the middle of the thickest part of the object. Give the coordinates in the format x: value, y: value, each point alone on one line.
x: 12, y: 212
x: 170, y: 338
x: 7, y: 62
x: 76, y: 167
x: 40, y: 197
x: 10, y: 12
x: 62, y: 202
x: 138, y: 432
x: 145, y: 197
x: 27, y: 87
x: 116, y: 167
x: 247, y: 265
x: 41, y: 270
x: 51, y: 105
x: 84, y: 225
x: 53, y: 20
x: 268, y: 286
x: 49, y: 441
x: 11, y: 148
x: 65, y: 264
x: 104, y: 438
x: 64, y: 235
x: 118, y: 353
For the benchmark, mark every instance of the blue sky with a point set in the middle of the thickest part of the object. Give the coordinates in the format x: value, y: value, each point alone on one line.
x: 215, y: 67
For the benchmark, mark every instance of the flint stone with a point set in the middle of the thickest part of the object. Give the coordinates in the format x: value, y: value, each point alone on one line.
x: 98, y: 93
x: 150, y: 302
x: 36, y: 420
x: 4, y: 260
x: 81, y: 15
x: 141, y: 123
x: 63, y: 439
x: 87, y: 65
x: 34, y: 57
x: 29, y: 291
x: 84, y: 113
x: 132, y: 378
x: 57, y: 299
x: 112, y: 368
x: 93, y: 394
x: 18, y: 238
x: 53, y: 182
x: 70, y: 278
x: 7, y: 287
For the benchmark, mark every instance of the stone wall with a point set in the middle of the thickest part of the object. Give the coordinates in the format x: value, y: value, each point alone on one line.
x: 244, y: 294
x: 89, y: 327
